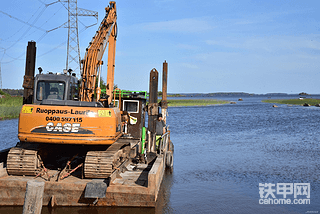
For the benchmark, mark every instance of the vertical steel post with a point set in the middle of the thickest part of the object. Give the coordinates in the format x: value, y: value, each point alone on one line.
x: 153, y: 110
x: 28, y: 82
x: 164, y: 103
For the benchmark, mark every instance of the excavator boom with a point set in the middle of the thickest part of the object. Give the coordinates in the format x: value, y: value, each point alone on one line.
x: 92, y: 62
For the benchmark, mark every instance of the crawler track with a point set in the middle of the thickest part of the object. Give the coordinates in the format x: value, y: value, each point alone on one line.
x: 22, y: 162
x: 101, y: 164
x: 98, y: 164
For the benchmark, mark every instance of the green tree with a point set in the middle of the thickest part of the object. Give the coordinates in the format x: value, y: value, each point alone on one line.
x: 102, y: 83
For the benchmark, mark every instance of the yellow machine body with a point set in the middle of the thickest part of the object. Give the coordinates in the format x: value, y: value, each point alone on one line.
x: 69, y: 125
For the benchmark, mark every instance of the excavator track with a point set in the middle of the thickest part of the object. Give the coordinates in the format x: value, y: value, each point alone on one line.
x: 101, y: 164
x: 23, y: 162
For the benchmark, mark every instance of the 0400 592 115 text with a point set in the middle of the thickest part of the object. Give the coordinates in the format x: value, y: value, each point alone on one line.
x: 64, y: 119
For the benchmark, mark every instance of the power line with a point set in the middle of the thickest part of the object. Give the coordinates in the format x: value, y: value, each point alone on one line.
x: 21, y: 28
x: 13, y: 59
x: 60, y: 45
x: 39, y: 56
x: 73, y: 50
x: 21, y: 21
x: 23, y: 35
x: 31, y: 25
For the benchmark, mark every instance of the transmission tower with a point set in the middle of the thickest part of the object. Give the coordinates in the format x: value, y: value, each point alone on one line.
x: 73, y: 50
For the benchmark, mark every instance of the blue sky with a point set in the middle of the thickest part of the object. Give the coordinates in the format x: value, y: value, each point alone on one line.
x: 210, y: 46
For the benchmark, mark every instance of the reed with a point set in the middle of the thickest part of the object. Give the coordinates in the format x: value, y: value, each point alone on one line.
x: 294, y: 101
x: 10, y: 106
x: 9, y: 112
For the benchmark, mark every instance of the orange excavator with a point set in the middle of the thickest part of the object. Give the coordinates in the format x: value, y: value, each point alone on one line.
x: 65, y: 125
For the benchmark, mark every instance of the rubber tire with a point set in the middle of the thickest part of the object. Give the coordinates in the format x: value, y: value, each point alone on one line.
x: 169, y: 160
x: 171, y: 146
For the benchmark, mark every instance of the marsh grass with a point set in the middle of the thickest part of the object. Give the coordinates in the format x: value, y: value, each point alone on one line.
x: 9, y: 112
x: 194, y: 102
x: 294, y: 101
x: 10, y: 106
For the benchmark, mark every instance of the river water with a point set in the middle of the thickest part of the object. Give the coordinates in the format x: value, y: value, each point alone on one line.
x: 222, y: 154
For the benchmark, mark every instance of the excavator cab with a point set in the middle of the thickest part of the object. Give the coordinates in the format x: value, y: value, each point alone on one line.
x: 55, y: 87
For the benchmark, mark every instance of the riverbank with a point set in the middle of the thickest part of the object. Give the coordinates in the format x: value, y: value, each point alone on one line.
x: 196, y: 102
x: 10, y: 106
x: 309, y: 101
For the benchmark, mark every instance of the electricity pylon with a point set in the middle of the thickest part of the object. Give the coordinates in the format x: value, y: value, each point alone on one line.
x: 73, y: 49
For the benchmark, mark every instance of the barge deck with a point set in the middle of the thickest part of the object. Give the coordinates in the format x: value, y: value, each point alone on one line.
x: 136, y: 187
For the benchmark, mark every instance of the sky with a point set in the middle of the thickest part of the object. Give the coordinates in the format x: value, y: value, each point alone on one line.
x: 252, y: 46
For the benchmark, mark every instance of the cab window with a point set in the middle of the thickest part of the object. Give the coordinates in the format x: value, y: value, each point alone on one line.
x: 50, y: 90
x: 74, y: 91
x: 131, y: 106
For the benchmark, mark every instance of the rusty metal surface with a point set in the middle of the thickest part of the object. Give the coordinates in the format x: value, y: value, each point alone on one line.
x: 153, y: 87
x: 136, y: 187
x: 28, y: 82
x: 29, y: 73
x: 153, y: 109
x: 164, y: 103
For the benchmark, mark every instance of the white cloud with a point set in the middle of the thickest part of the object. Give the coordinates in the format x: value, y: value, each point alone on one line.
x: 189, y: 65
x: 187, y: 47
x: 271, y: 43
x: 266, y: 17
x: 189, y: 25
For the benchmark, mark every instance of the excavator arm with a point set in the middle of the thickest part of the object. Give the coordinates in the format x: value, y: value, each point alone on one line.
x: 92, y: 62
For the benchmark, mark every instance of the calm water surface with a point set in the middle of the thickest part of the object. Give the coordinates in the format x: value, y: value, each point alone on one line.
x: 222, y: 153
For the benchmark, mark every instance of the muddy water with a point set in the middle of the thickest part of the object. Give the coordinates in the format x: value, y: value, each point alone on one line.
x: 222, y: 153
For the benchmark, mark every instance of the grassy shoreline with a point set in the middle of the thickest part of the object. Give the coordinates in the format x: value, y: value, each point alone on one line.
x: 195, y: 102
x: 10, y: 106
x: 302, y: 102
